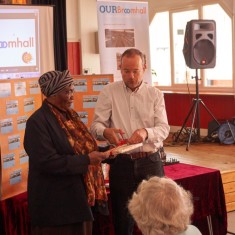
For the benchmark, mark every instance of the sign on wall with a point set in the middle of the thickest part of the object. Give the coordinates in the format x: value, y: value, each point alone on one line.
x: 122, y: 25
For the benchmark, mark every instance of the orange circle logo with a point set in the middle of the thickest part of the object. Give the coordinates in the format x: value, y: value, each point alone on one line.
x: 27, y: 57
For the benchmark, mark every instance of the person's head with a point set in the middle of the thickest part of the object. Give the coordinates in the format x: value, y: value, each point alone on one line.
x: 160, y: 206
x: 133, y: 65
x: 58, y: 88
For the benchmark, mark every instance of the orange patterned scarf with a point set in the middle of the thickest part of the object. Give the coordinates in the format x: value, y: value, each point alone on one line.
x: 83, y: 143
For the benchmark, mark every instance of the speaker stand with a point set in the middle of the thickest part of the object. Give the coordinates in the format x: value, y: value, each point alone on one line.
x: 195, y: 108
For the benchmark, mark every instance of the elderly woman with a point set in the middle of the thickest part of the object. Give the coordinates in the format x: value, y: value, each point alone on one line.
x: 161, y: 207
x: 65, y: 177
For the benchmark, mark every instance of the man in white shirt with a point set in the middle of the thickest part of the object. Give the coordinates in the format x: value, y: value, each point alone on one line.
x: 135, y: 111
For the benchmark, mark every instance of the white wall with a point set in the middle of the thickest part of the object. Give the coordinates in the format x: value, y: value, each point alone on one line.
x: 84, y: 29
x: 73, y: 18
x: 82, y: 24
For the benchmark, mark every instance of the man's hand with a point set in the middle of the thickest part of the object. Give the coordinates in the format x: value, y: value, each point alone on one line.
x: 139, y: 136
x: 113, y: 135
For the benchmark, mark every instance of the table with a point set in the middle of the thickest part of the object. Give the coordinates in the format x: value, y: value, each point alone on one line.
x: 205, y: 184
x: 14, y: 217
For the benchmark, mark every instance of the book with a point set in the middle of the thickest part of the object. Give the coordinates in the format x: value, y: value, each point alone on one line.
x: 125, y: 148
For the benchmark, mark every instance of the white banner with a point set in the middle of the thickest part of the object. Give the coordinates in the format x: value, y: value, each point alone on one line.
x: 122, y: 25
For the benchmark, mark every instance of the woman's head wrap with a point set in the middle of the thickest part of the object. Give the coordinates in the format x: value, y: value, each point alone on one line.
x: 53, y: 82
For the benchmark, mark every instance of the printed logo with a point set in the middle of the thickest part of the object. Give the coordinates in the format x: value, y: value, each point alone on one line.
x: 27, y: 57
x: 119, y: 10
x: 17, y: 43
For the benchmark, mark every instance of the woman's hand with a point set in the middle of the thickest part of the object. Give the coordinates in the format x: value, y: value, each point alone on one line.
x: 97, y: 157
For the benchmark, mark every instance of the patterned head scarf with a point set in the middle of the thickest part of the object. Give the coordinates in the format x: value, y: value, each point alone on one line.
x: 53, y: 82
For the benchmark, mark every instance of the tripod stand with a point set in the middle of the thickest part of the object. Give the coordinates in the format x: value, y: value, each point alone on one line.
x: 196, y: 113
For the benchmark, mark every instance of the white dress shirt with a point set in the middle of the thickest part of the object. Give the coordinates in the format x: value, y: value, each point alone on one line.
x: 119, y: 107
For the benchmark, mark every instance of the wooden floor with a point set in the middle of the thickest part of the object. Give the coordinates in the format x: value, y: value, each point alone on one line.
x: 211, y: 155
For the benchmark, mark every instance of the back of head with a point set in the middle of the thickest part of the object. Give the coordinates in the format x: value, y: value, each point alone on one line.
x: 161, y: 207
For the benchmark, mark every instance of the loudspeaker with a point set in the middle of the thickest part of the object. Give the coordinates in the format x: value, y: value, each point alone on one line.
x: 200, y: 44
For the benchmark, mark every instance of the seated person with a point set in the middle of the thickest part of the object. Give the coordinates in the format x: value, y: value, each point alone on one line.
x: 161, y: 207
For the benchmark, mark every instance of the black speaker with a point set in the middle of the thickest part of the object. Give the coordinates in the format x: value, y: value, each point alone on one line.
x: 200, y: 44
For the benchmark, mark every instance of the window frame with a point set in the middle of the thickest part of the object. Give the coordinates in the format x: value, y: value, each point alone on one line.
x: 187, y: 87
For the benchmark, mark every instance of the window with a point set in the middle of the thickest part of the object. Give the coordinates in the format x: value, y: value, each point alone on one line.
x: 181, y: 71
x: 221, y: 75
x: 160, y: 49
x: 169, y: 69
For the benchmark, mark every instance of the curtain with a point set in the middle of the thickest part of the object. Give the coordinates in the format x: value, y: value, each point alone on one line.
x: 60, y: 31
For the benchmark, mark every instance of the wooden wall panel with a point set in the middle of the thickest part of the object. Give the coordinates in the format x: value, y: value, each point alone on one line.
x: 178, y: 106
